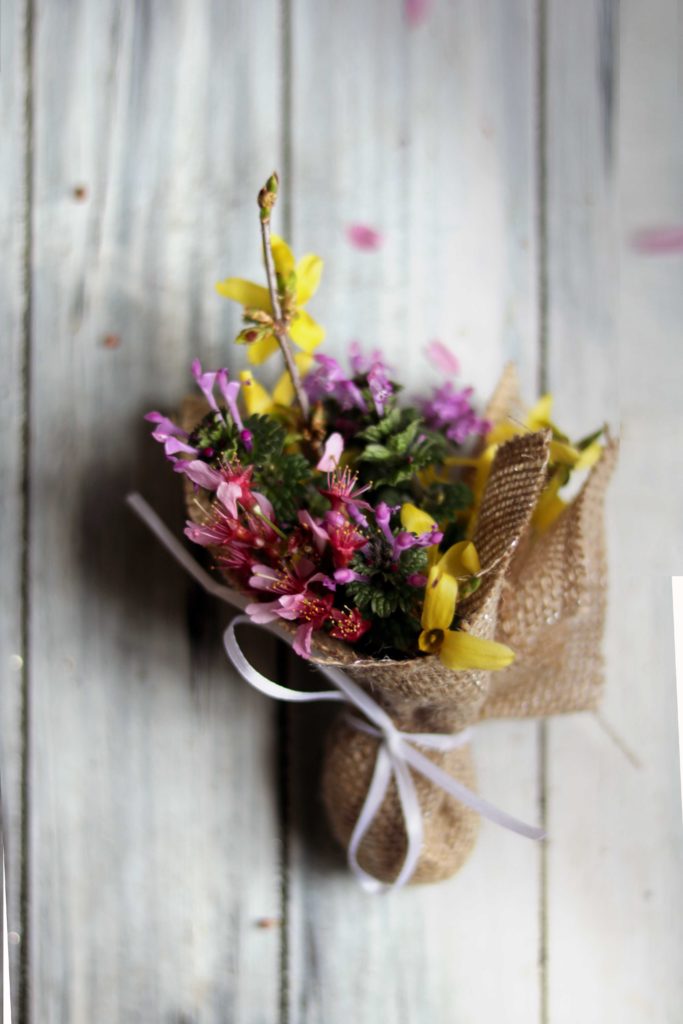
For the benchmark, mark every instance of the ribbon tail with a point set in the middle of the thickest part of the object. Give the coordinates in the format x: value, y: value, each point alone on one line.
x: 439, y: 741
x: 153, y: 522
x: 477, y: 803
x: 386, y: 764
x: 412, y: 819
x: 261, y: 682
x: 373, y: 801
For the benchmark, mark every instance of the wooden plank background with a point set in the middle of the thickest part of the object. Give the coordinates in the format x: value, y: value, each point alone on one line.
x: 155, y: 812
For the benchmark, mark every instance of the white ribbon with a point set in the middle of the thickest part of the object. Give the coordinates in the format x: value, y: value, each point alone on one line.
x: 396, y: 752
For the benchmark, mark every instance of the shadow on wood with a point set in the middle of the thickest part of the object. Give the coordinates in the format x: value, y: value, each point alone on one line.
x: 305, y: 733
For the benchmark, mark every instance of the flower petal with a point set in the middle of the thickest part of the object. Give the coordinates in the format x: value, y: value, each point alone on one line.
x: 308, y: 273
x: 262, y: 349
x: 589, y: 456
x: 304, y: 362
x: 306, y: 332
x: 442, y: 358
x: 362, y: 236
x: 283, y: 392
x: 658, y: 240
x: 283, y: 257
x: 265, y: 506
x: 263, y: 613
x: 202, y: 474
x: 302, y: 640
x: 441, y: 595
x: 256, y: 398
x: 539, y: 416
x: 334, y: 446
x: 549, y: 508
x: 174, y: 445
x: 502, y: 432
x: 461, y: 651
x: 563, y: 453
x: 319, y: 535
x: 228, y: 494
x: 416, y: 11
x: 253, y: 296
x: 461, y: 559
x: 414, y: 520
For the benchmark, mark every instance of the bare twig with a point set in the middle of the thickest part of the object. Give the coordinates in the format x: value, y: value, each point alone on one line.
x: 266, y: 201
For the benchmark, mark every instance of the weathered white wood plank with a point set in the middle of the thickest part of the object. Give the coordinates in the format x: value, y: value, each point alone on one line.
x: 13, y: 212
x: 427, y: 135
x: 154, y: 829
x: 615, y: 889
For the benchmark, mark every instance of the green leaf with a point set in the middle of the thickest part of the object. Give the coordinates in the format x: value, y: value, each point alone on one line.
x: 400, y: 443
x: 375, y: 453
x: 585, y: 441
x: 386, y: 426
x: 384, y: 604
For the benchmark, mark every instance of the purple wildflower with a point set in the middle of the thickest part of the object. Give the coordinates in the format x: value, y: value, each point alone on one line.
x: 377, y: 374
x: 200, y: 473
x: 383, y: 514
x: 173, y: 437
x: 380, y: 387
x: 417, y: 579
x: 343, y: 492
x: 205, y: 382
x: 328, y: 380
x: 450, y: 411
x: 229, y: 389
x: 362, y: 364
x: 403, y: 540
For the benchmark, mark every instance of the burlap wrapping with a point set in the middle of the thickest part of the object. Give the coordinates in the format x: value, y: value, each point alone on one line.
x: 553, y: 600
x: 544, y: 596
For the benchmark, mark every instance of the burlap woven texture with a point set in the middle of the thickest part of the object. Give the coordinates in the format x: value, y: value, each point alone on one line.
x: 544, y: 596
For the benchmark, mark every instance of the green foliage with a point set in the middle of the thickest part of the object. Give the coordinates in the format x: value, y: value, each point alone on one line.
x: 585, y: 441
x: 281, y: 475
x: 386, y: 597
x: 395, y: 637
x: 217, y: 439
x: 398, y: 447
x: 444, y: 501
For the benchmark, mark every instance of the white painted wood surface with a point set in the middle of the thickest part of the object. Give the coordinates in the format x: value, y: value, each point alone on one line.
x: 615, y: 871
x: 13, y: 311
x: 157, y: 831
x: 153, y: 847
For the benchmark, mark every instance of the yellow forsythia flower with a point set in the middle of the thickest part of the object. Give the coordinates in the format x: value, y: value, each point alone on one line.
x: 301, y: 281
x: 455, y: 648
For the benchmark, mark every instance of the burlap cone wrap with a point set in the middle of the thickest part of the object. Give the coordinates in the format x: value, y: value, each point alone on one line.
x: 544, y: 596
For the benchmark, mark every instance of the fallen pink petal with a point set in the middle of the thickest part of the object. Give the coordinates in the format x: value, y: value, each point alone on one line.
x: 443, y: 358
x: 361, y: 236
x: 654, y: 241
x: 417, y: 11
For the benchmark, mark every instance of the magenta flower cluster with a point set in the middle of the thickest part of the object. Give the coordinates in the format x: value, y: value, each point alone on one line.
x: 330, y: 381
x: 450, y: 411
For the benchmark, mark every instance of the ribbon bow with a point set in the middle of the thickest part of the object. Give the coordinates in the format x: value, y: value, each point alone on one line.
x: 396, y: 752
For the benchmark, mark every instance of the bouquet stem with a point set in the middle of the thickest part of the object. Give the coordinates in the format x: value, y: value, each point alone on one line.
x: 266, y: 201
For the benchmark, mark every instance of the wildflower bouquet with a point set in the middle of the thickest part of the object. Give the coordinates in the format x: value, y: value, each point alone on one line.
x: 422, y: 547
